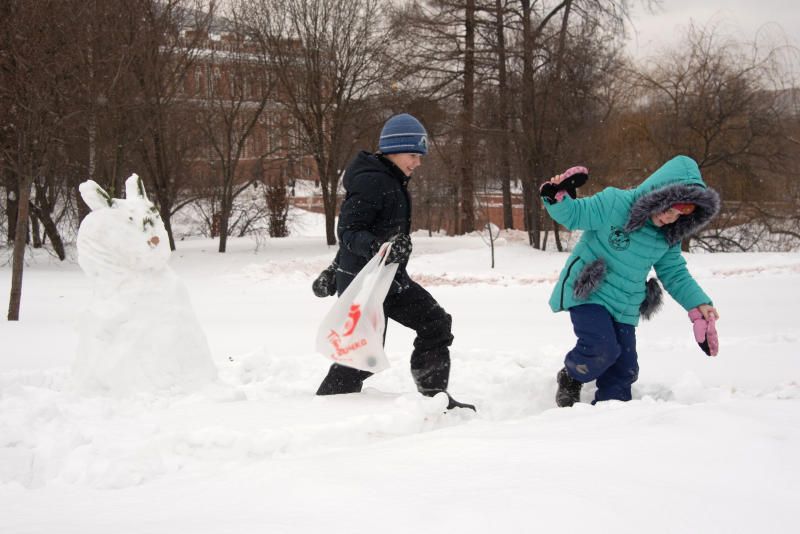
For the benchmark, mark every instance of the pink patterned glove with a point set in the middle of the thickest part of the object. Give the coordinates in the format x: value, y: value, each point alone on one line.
x: 570, y: 181
x: 705, y: 332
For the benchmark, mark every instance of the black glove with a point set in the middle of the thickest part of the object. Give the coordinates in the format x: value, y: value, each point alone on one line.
x: 574, y: 177
x: 325, y: 284
x: 400, y: 251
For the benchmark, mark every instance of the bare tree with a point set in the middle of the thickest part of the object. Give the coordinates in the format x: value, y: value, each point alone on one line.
x: 37, y: 69
x: 467, y: 122
x: 239, y: 90
x: 167, y: 37
x: 712, y: 101
x: 328, y: 56
x: 547, y: 31
x: 106, y: 95
x: 48, y: 190
x: 447, y: 61
x: 277, y: 199
x: 503, y: 100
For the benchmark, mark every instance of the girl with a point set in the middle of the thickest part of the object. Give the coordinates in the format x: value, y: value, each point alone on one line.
x: 603, y: 285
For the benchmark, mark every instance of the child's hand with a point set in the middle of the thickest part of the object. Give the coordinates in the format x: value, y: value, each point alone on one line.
x: 708, y: 312
x: 325, y: 283
x: 555, y: 180
x: 704, y: 319
x: 566, y: 183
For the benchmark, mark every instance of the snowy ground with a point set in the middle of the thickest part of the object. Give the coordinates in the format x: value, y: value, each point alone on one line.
x: 708, y: 445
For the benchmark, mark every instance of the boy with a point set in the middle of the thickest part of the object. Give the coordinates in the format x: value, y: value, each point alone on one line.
x: 376, y: 209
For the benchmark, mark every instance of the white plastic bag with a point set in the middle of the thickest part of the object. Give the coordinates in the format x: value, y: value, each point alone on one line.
x: 351, y: 333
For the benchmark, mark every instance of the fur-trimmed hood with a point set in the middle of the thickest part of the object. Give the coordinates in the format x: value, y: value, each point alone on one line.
x: 677, y: 181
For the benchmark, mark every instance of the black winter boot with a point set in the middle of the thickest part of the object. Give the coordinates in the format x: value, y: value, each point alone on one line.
x: 431, y: 369
x: 342, y: 379
x: 569, y: 389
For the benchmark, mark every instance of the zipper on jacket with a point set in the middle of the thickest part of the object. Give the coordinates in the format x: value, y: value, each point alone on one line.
x: 408, y: 201
x: 564, y: 283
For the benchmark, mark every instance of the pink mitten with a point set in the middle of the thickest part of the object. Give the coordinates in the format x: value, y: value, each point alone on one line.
x: 571, y: 180
x: 705, y: 332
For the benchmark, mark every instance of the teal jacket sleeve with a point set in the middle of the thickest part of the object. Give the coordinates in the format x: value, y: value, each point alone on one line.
x: 672, y: 271
x: 584, y: 213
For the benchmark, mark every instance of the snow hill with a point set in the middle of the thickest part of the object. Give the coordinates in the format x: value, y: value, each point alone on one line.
x: 708, y: 445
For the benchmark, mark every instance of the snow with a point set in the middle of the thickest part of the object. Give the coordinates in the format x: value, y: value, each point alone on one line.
x: 707, y: 445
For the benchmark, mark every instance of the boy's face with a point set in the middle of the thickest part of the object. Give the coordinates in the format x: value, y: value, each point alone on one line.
x: 665, y: 217
x: 406, y: 161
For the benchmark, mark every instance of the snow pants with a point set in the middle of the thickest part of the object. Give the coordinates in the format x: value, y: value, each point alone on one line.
x: 415, y: 308
x: 605, y: 352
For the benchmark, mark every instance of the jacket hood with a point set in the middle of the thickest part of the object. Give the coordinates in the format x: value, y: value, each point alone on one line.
x: 677, y: 181
x: 367, y: 162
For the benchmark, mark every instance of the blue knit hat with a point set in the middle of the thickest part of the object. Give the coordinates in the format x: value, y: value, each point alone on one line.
x: 403, y: 134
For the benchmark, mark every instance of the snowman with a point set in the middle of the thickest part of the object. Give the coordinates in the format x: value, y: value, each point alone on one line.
x: 140, y: 333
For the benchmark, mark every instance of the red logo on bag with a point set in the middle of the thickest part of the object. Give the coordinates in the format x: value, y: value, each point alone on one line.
x: 352, y: 320
x: 339, y: 351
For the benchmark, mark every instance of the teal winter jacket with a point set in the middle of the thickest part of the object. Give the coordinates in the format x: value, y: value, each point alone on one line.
x: 620, y: 244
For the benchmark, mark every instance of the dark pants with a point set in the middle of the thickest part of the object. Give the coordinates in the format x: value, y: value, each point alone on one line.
x: 605, y: 352
x: 416, y: 309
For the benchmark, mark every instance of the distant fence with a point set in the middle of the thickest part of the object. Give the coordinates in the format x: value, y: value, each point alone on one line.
x: 312, y: 203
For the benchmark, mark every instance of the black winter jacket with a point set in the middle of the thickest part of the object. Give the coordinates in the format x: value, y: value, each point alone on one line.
x: 376, y: 207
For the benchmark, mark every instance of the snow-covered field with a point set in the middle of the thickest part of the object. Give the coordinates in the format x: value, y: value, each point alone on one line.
x: 708, y: 445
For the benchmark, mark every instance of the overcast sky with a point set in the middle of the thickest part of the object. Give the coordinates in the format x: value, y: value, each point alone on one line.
x: 741, y: 19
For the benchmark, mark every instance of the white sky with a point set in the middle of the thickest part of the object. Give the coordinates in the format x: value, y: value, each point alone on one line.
x: 740, y: 19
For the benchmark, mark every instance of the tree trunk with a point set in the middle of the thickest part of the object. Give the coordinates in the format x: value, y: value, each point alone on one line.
x: 12, y: 206
x: 557, y: 235
x: 162, y: 179
x: 328, y: 200
x: 20, y: 235
x: 527, y: 203
x: 42, y: 209
x: 504, y: 98
x: 50, y: 229
x: 164, y: 202
x: 224, y: 220
x: 330, y: 229
x: 468, y: 118
x: 528, y: 127
x: 36, y: 236
x: 168, y: 227
x: 223, y: 233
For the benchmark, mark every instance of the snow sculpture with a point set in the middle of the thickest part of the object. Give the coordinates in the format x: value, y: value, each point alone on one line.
x: 141, y: 333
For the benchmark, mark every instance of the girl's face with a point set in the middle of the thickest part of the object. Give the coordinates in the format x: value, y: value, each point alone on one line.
x: 406, y: 161
x: 665, y: 217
